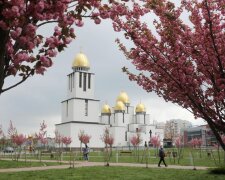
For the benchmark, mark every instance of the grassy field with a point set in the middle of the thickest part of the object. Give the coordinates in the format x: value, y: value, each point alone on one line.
x: 200, y: 158
x: 125, y: 173
x: 18, y: 164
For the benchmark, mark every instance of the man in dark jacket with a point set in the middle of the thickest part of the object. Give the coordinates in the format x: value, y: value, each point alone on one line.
x: 161, y: 156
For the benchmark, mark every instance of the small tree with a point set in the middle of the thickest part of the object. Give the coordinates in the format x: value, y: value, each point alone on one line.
x: 58, y: 141
x: 84, y: 138
x: 155, y: 141
x: 41, y: 137
x: 136, y: 140
x: 108, y: 140
x: 66, y: 140
x: 2, y: 138
x: 12, y: 131
x: 178, y: 144
x: 18, y: 140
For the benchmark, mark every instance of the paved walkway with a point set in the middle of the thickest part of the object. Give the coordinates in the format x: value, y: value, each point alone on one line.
x: 89, y: 164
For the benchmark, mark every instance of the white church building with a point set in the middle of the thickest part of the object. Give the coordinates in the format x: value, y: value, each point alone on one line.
x: 82, y: 112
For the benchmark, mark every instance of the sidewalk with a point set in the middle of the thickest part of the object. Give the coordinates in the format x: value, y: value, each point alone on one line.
x: 89, y: 164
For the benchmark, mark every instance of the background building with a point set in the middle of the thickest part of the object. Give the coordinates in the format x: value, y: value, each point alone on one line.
x: 201, y: 132
x: 173, y: 129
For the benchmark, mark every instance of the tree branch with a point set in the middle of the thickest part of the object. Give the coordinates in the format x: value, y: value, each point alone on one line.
x: 24, y: 79
x: 46, y: 22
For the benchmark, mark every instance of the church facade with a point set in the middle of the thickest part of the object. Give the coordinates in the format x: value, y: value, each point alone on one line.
x: 82, y: 112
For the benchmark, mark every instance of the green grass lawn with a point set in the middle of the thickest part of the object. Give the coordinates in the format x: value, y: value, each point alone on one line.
x: 124, y: 173
x: 18, y: 164
x: 200, y: 157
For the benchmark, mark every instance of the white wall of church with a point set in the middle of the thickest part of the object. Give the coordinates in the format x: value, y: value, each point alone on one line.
x: 77, y: 111
x: 67, y: 110
x: 119, y: 135
x: 96, y: 131
x: 131, y: 114
x: 105, y: 119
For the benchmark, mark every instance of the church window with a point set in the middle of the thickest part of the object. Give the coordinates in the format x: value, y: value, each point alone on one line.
x: 123, y: 117
x: 73, y: 80
x: 67, y: 108
x: 86, y: 107
x: 126, y: 136
x: 89, y: 81
x: 69, y: 82
x: 80, y: 79
x: 85, y: 77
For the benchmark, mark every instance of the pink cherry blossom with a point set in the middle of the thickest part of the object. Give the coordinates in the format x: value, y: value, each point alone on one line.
x: 19, y: 139
x: 107, y: 138
x: 20, y: 25
x: 195, y: 142
x: 84, y: 138
x: 66, y: 140
x: 182, y: 61
x: 178, y: 142
x: 155, y: 140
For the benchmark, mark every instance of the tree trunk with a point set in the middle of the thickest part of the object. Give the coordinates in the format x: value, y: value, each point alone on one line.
x: 215, y: 132
x: 3, y: 40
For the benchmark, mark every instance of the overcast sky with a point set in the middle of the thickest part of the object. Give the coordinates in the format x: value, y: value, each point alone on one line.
x: 39, y: 98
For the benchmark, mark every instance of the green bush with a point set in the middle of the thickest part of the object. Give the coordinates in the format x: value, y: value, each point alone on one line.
x: 219, y: 170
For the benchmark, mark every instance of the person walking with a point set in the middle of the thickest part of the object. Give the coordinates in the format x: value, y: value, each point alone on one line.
x: 85, y: 152
x: 161, y: 156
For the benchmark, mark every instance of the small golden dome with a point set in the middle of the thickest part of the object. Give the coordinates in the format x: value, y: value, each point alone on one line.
x: 81, y: 60
x: 106, y: 109
x: 123, y: 97
x: 119, y: 106
x: 140, y: 108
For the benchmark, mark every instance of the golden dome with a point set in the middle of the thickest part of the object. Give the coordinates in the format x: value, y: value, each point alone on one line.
x: 140, y: 108
x: 106, y: 109
x: 119, y: 106
x: 123, y: 97
x: 81, y: 60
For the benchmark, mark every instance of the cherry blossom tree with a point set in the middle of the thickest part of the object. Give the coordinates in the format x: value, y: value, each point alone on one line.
x: 108, y: 140
x: 41, y: 136
x: 58, y: 138
x: 2, y: 137
x: 83, y: 138
x: 1, y: 131
x: 18, y: 140
x: 178, y: 144
x: 195, y: 142
x: 12, y: 131
x: 136, y: 140
x: 183, y: 62
x: 26, y: 51
x: 155, y: 141
x: 66, y: 140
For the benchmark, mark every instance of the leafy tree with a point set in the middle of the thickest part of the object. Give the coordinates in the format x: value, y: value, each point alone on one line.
x: 182, y: 62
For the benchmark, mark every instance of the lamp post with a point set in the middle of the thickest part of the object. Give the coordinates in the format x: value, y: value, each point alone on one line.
x: 150, y: 133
